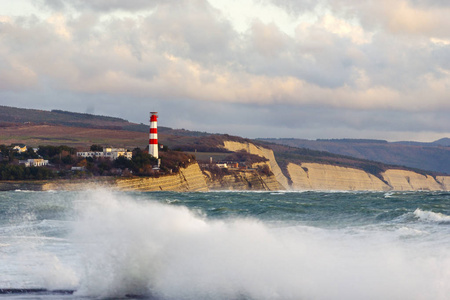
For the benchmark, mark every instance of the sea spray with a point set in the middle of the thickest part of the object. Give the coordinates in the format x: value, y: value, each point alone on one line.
x: 136, y: 247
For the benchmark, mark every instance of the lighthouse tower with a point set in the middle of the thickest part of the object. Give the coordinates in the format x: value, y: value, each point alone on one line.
x: 153, y: 141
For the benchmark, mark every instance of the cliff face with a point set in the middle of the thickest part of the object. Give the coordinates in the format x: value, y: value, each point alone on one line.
x: 263, y: 152
x: 243, y: 180
x: 304, y: 176
x: 444, y: 181
x: 313, y: 176
x: 401, y: 180
x: 189, y: 179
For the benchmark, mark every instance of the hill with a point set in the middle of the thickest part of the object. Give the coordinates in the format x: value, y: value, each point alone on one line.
x: 37, y: 127
x: 426, y: 156
x: 270, y: 165
x: 40, y: 127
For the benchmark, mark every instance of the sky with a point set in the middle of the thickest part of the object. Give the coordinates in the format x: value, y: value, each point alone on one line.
x: 376, y: 69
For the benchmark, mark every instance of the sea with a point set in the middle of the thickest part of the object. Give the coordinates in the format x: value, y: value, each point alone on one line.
x: 107, y: 244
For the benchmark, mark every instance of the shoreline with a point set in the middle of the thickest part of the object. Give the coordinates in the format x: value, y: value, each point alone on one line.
x: 118, y: 183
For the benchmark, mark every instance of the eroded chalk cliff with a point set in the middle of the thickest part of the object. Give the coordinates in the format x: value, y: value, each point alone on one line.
x: 242, y: 180
x: 403, y: 180
x: 189, y: 179
x: 263, y: 152
x: 319, y: 176
x: 314, y: 176
x: 302, y: 176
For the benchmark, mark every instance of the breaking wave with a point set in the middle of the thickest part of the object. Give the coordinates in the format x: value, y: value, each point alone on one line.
x: 431, y: 216
x: 128, y: 246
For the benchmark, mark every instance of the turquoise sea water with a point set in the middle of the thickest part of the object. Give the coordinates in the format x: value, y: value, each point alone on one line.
x: 224, y: 245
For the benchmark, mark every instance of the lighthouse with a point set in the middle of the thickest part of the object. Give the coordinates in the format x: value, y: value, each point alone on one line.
x: 153, y: 141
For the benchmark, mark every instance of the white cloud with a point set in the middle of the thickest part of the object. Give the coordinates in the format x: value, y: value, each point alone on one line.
x: 344, y: 28
x: 58, y: 22
x: 342, y: 55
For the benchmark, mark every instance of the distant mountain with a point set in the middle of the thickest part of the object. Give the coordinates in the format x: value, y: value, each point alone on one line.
x: 442, y: 142
x: 425, y: 156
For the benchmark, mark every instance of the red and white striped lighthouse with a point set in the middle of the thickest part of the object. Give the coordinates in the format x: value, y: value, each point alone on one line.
x: 153, y: 141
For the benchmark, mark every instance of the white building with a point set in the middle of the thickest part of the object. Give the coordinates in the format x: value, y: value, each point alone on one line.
x: 20, y: 148
x: 111, y: 153
x: 34, y: 162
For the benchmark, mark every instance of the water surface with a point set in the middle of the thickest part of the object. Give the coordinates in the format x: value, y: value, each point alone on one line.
x: 225, y: 245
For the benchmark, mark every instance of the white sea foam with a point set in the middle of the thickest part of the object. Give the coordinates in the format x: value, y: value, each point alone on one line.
x: 138, y: 247
x: 388, y: 194
x: 431, y: 216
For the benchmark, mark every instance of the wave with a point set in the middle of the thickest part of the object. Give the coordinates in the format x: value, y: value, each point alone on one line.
x: 128, y: 246
x: 430, y: 216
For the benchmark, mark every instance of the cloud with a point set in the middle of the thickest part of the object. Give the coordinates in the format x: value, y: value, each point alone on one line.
x: 352, y: 57
x: 103, y: 5
x: 186, y: 50
x: 410, y: 17
x: 267, y: 39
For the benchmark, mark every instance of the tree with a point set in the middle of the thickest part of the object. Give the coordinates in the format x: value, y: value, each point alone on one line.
x: 141, y: 163
x: 123, y: 163
x: 68, y: 160
x: 96, y: 148
x: 20, y: 172
x: 48, y: 152
x: 28, y: 154
x: 7, y: 152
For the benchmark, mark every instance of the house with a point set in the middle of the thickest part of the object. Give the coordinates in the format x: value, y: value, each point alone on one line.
x: 222, y: 165
x: 34, y: 162
x: 78, y: 168
x: 111, y: 153
x: 20, y: 148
